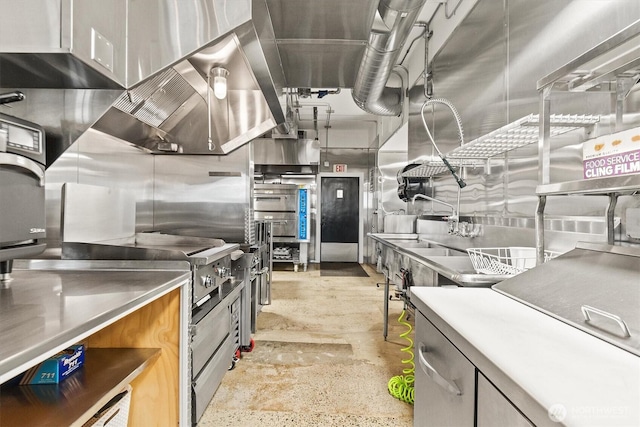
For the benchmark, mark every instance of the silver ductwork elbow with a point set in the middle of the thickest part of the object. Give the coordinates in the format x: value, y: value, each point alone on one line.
x: 393, y: 23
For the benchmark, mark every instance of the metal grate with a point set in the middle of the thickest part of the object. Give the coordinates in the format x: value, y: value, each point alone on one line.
x: 154, y: 101
x: 522, y: 132
x: 437, y: 167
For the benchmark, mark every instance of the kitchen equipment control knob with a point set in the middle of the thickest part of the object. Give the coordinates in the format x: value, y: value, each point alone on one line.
x: 207, y: 281
x: 223, y: 271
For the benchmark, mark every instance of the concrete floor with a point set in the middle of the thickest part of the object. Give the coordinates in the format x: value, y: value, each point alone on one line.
x: 319, y: 358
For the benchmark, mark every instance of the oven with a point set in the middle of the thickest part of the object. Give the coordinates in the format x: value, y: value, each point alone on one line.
x: 286, y: 208
x: 22, y: 211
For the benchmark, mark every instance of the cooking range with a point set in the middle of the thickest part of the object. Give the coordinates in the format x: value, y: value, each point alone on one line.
x: 215, y: 304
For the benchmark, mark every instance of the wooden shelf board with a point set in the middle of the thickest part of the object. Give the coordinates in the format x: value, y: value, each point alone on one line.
x: 105, y: 373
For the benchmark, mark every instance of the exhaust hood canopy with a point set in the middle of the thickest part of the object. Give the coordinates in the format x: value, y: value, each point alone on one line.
x: 171, y: 108
x: 155, y: 57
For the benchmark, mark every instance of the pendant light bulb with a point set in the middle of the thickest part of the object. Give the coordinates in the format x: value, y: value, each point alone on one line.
x: 219, y: 82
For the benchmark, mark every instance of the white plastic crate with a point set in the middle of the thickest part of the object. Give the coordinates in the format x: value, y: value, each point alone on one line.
x: 505, y: 260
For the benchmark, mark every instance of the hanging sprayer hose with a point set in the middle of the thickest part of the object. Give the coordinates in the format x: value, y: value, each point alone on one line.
x: 456, y: 115
x: 401, y: 386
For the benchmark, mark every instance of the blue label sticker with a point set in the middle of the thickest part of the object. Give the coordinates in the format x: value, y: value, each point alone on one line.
x: 302, y: 214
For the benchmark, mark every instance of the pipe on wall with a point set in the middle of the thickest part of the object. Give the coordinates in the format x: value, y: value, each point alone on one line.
x: 391, y: 28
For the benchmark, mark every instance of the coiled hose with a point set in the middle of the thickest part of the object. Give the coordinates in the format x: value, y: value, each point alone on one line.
x: 401, y: 386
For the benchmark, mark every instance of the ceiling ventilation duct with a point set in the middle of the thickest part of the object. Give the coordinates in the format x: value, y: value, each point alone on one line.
x: 392, y: 25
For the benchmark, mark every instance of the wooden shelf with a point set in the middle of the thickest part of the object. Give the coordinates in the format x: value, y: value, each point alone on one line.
x: 105, y: 373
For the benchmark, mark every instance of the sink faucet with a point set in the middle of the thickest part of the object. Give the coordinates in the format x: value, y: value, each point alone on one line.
x: 454, y: 213
x: 455, y: 227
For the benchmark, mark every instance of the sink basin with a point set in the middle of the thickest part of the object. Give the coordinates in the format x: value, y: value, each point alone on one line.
x: 436, y: 251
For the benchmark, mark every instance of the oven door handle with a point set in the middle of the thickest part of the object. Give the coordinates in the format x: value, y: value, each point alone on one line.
x: 9, y: 159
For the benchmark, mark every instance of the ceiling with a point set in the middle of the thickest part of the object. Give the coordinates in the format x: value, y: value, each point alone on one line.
x: 321, y: 44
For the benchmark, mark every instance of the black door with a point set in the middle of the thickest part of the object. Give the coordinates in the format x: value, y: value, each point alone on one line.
x: 339, y: 226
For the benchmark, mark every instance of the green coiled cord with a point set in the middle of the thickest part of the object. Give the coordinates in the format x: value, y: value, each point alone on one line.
x: 401, y: 386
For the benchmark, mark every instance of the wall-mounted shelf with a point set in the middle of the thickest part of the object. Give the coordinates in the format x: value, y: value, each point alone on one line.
x: 613, y: 65
x: 426, y: 170
x: 614, y: 59
x: 434, y: 168
x: 620, y: 185
x: 517, y: 134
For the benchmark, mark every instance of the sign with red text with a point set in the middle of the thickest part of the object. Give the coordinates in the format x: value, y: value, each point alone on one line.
x: 612, y: 155
x: 339, y: 167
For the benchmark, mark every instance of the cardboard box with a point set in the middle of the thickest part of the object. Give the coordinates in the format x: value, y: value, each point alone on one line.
x: 56, y: 368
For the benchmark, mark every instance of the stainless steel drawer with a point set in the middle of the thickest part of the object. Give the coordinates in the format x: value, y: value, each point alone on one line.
x: 208, y: 334
x: 444, y: 380
x: 206, y: 384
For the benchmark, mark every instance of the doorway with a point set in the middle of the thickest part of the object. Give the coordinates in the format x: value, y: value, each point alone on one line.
x: 340, y: 219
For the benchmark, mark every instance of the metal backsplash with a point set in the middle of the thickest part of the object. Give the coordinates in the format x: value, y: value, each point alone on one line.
x: 489, y: 69
x: 205, y: 192
x: 211, y: 193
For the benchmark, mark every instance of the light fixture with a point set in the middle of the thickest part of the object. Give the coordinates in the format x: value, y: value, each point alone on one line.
x: 219, y: 90
x: 219, y: 82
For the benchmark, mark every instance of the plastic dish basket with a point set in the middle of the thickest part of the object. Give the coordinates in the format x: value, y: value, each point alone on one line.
x: 505, y: 260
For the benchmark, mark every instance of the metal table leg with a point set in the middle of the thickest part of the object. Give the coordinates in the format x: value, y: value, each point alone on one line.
x: 385, y: 323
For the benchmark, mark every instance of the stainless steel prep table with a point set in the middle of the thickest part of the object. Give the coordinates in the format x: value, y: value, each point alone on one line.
x: 54, y: 304
x: 458, y: 269
x: 455, y: 268
x: 540, y: 364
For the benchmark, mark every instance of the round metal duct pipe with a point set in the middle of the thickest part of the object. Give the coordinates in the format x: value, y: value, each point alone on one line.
x: 391, y: 27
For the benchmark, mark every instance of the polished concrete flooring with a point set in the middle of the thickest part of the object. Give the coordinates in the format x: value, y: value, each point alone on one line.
x: 319, y: 359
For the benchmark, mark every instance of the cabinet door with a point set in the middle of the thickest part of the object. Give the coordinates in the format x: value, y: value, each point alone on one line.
x: 495, y: 410
x: 444, y: 380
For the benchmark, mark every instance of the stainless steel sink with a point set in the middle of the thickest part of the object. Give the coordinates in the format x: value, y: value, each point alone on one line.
x: 433, y: 250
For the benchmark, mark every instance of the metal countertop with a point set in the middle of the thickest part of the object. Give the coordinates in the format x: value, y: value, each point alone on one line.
x: 51, y: 304
x: 540, y: 363
x: 456, y: 268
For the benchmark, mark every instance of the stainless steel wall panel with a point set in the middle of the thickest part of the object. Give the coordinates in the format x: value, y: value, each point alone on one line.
x: 489, y: 69
x: 186, y: 196
x: 161, y: 32
x: 106, y: 161
x: 389, y: 163
x: 99, y: 159
x: 286, y: 151
x: 64, y: 113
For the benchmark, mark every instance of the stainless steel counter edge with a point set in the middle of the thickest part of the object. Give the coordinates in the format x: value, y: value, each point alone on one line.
x: 535, y: 401
x: 24, y: 359
x: 463, y: 279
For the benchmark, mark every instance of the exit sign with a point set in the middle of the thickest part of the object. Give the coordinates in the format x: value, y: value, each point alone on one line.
x: 340, y: 167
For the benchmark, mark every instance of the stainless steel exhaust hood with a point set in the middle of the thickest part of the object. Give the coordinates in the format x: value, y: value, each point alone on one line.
x: 169, y: 112
x: 158, y: 54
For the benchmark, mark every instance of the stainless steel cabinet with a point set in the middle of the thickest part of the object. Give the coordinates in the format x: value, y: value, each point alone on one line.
x: 495, y: 409
x: 445, y: 380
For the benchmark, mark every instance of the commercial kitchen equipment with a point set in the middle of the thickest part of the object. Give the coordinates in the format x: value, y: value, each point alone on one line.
x: 286, y: 207
x: 22, y: 213
x: 594, y: 288
x: 213, y: 328
x: 253, y: 267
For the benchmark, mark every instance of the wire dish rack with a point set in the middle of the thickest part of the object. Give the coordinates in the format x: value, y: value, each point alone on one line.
x: 505, y: 260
